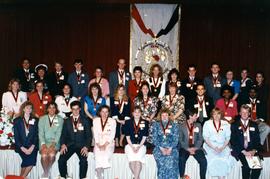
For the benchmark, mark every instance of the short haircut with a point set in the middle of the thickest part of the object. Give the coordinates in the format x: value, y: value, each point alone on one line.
x: 75, y: 103
x: 78, y: 60
x: 190, y: 112
x: 137, y: 68
x: 103, y: 107
x: 246, y: 107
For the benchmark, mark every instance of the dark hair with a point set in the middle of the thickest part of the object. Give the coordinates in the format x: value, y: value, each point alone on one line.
x: 192, y: 66
x: 95, y: 85
x: 25, y: 58
x: 190, y: 112
x: 102, y: 107
x: 140, y: 94
x: 253, y: 88
x: 200, y: 84
x: 78, y: 60
x: 37, y: 82
x: 70, y: 87
x: 57, y: 62
x: 173, y: 71
x: 214, y: 63
x: 137, y: 108
x: 227, y: 87
x: 75, y: 103
x: 53, y: 104
x: 137, y: 68
x: 260, y: 73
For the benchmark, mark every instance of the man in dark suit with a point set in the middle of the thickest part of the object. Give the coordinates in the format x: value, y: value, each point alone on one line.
x: 258, y: 112
x: 57, y: 79
x: 245, y: 142
x: 119, y: 76
x: 26, y: 75
x: 214, y: 82
x: 191, y: 140
x: 189, y: 84
x: 79, y: 80
x: 75, y: 138
x: 201, y: 103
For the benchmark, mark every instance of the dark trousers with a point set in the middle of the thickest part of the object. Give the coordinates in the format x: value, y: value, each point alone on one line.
x: 248, y: 173
x: 62, y: 162
x: 199, y: 156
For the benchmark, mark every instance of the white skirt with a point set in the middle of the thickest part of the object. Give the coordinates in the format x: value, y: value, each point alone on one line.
x: 103, y: 158
x: 139, y: 156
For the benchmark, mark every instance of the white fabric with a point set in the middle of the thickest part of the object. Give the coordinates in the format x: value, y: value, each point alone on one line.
x: 9, y: 103
x: 62, y: 106
x: 155, y: 17
x: 132, y: 156
x: 10, y: 164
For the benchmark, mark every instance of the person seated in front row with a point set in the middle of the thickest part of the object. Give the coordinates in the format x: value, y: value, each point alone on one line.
x: 75, y: 138
x: 49, y: 132
x: 226, y: 104
x: 165, y: 136
x: 26, y: 138
x: 190, y: 141
x: 136, y: 134
x: 216, y: 134
x: 258, y: 113
x: 104, y: 128
x: 245, y: 142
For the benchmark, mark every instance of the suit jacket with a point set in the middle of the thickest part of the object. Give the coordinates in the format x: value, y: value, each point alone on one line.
x: 114, y: 105
x: 184, y: 137
x: 209, y: 105
x: 81, y: 138
x: 261, y: 109
x: 79, y: 88
x: 213, y: 92
x: 23, y: 140
x: 187, y: 89
x: 27, y: 82
x: 237, y: 138
x: 39, y: 105
x: 48, y: 134
x: 56, y: 83
x: 114, y: 82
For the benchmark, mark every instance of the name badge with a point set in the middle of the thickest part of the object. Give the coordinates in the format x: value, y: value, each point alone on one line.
x: 196, y: 129
x: 252, y: 129
x: 207, y: 103
x: 167, y: 131
x: 142, y: 125
x: 83, y: 81
x: 32, y: 122
x: 231, y: 104
x: 45, y: 102
x: 188, y: 85
x: 196, y: 105
x: 80, y: 128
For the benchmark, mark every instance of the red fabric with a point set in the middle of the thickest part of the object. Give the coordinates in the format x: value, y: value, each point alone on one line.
x: 39, y: 106
x: 13, y: 177
x: 136, y: 15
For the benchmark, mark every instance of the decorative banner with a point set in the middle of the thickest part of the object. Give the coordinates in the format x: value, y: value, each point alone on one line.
x: 154, y: 36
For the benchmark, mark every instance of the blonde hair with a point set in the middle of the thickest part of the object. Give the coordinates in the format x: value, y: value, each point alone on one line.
x: 218, y: 111
x: 13, y: 80
x: 26, y: 103
x: 116, y: 96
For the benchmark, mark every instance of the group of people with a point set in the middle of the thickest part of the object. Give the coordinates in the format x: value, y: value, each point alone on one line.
x: 215, y: 120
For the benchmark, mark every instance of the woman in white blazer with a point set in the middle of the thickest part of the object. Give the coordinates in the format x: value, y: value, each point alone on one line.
x: 13, y: 98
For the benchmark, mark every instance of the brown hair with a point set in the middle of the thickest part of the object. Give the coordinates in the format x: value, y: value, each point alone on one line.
x: 26, y: 103
x: 13, y: 80
x: 95, y: 85
x: 52, y: 103
x: 163, y: 110
x: 116, y: 97
x: 152, y: 69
